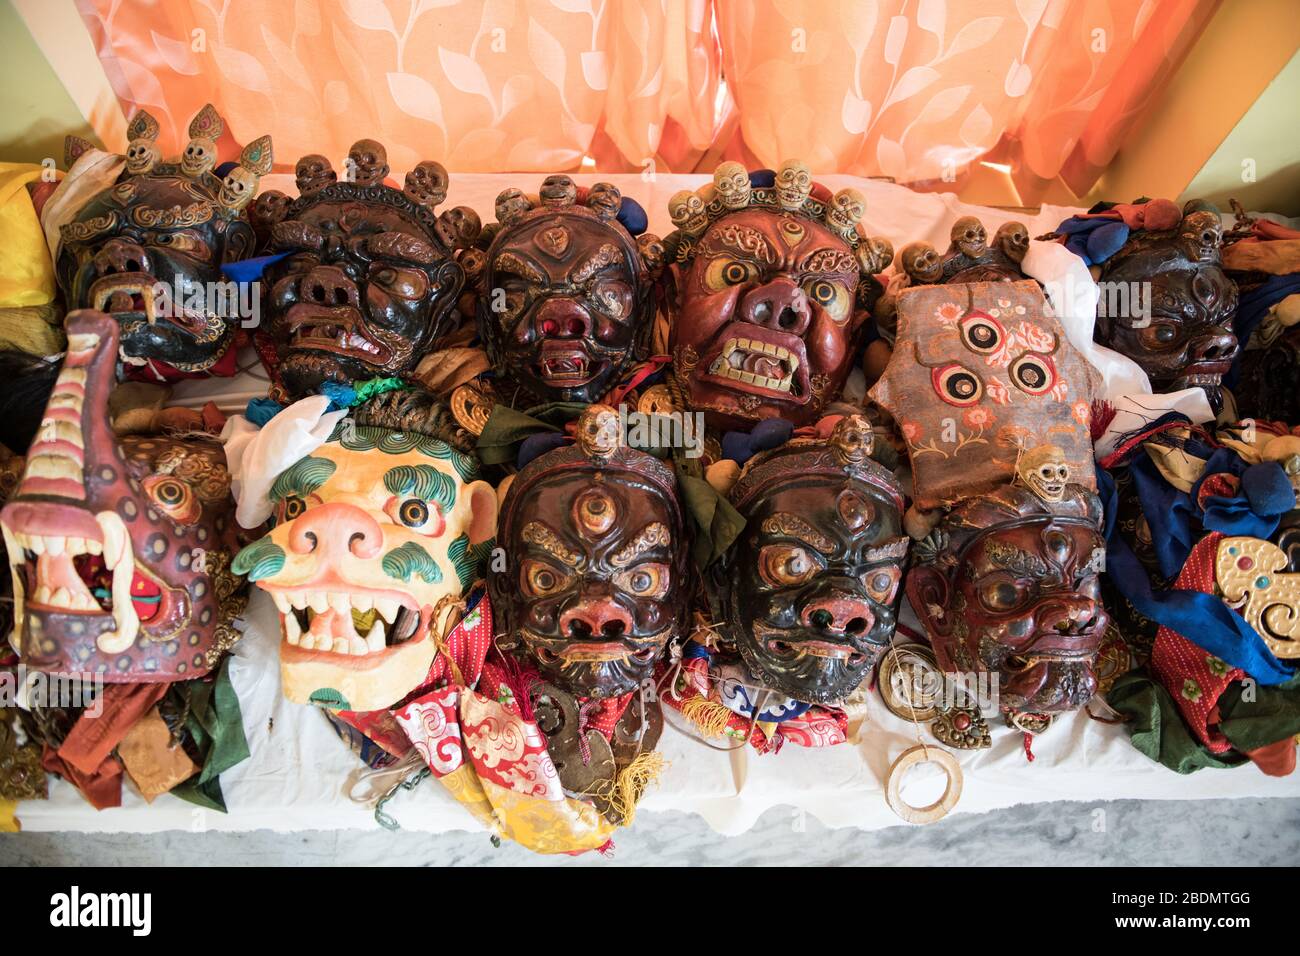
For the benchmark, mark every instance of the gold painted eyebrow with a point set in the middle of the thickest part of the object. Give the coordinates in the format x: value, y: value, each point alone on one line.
x: 892, y: 550
x: 830, y: 262
x: 792, y: 526
x: 744, y: 241
x: 652, y: 535
x: 606, y: 255
x: 538, y: 535
x: 509, y: 262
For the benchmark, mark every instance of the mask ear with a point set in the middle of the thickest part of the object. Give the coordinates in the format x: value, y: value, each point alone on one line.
x: 483, y: 512
x: 927, y: 592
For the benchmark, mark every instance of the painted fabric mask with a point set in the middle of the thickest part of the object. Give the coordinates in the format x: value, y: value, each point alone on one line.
x: 149, y: 249
x: 980, y: 375
x: 768, y: 293
x: 370, y: 281
x: 120, y: 547
x: 1008, y: 584
x: 377, y: 533
x: 566, y: 301
x: 597, y: 557
x: 1183, y: 338
x: 808, y: 593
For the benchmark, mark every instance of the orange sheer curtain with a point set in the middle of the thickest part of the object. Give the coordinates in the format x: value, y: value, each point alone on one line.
x: 912, y: 89
x: 480, y: 85
x: 918, y: 89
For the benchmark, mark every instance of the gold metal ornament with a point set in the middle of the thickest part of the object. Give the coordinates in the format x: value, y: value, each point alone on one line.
x: 1251, y: 574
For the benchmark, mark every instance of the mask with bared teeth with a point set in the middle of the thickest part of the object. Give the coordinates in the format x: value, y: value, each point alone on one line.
x: 377, y: 533
x: 167, y: 227
x: 366, y: 289
x: 120, y: 548
x: 809, y: 592
x: 566, y: 301
x: 766, y: 301
x: 596, y: 555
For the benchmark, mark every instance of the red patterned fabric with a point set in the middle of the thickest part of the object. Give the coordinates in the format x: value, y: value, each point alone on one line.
x: 1195, y: 678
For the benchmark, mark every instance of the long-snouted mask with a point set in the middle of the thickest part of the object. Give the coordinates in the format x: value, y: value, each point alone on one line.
x: 596, y: 562
x: 566, y: 301
x: 148, y: 250
x: 120, y: 548
x: 809, y: 592
x: 366, y: 290
x: 763, y: 299
x: 1008, y: 583
x: 377, y: 534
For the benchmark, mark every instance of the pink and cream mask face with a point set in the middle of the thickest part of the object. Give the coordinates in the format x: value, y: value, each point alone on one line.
x: 376, y: 535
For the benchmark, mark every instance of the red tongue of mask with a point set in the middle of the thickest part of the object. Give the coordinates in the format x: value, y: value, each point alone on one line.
x: 145, y: 594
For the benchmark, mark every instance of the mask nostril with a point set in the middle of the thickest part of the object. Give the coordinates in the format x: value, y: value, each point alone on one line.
x: 576, y: 327
x: 549, y: 327
x: 579, y: 628
x: 612, y: 628
x: 340, y: 297
x: 788, y: 318
x: 856, y: 626
x: 311, y: 540
x: 821, y: 618
x: 762, y: 311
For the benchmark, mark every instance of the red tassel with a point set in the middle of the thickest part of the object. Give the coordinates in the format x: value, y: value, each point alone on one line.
x: 1103, y: 413
x: 1029, y: 751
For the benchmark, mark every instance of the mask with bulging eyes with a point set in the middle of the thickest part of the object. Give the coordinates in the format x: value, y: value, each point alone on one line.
x: 766, y: 299
x: 595, y: 582
x: 162, y: 226
x: 808, y: 593
x: 1175, y: 319
x: 566, y: 302
x: 1009, y: 584
x: 982, y: 375
x: 121, y: 548
x: 367, y: 288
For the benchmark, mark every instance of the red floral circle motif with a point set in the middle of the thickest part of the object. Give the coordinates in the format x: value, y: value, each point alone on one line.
x: 982, y: 333
x: 1033, y: 374
x: 957, y: 385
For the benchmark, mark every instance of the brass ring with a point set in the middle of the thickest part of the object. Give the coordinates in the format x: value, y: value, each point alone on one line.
x: 915, y: 706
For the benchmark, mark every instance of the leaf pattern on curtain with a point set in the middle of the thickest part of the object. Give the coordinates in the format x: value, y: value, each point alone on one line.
x: 912, y: 89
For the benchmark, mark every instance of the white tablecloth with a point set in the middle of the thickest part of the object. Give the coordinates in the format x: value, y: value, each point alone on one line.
x: 299, y: 774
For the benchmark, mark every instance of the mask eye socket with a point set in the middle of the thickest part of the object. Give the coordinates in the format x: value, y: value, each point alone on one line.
x: 174, y: 497
x: 538, y: 579
x: 882, y: 584
x: 292, y: 507
x: 982, y: 333
x: 831, y: 296
x: 417, y: 514
x: 644, y: 580
x: 722, y: 274
x: 1033, y: 374
x: 1002, y: 595
x: 957, y: 385
x: 786, y: 565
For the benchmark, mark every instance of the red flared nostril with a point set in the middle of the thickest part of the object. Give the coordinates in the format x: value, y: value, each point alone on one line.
x: 562, y: 318
x: 601, y: 619
x: 780, y: 304
x: 336, y: 530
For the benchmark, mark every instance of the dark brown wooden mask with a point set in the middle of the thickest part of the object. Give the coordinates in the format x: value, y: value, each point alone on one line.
x: 1181, y: 334
x: 1008, y: 583
x: 595, y: 583
x: 808, y: 593
x: 565, y: 300
x: 368, y: 287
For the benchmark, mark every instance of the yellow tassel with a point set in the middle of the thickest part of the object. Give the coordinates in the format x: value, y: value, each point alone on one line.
x: 632, y: 782
x: 711, y: 718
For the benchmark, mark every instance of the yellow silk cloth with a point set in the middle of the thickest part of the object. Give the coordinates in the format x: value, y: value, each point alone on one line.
x: 26, y: 272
